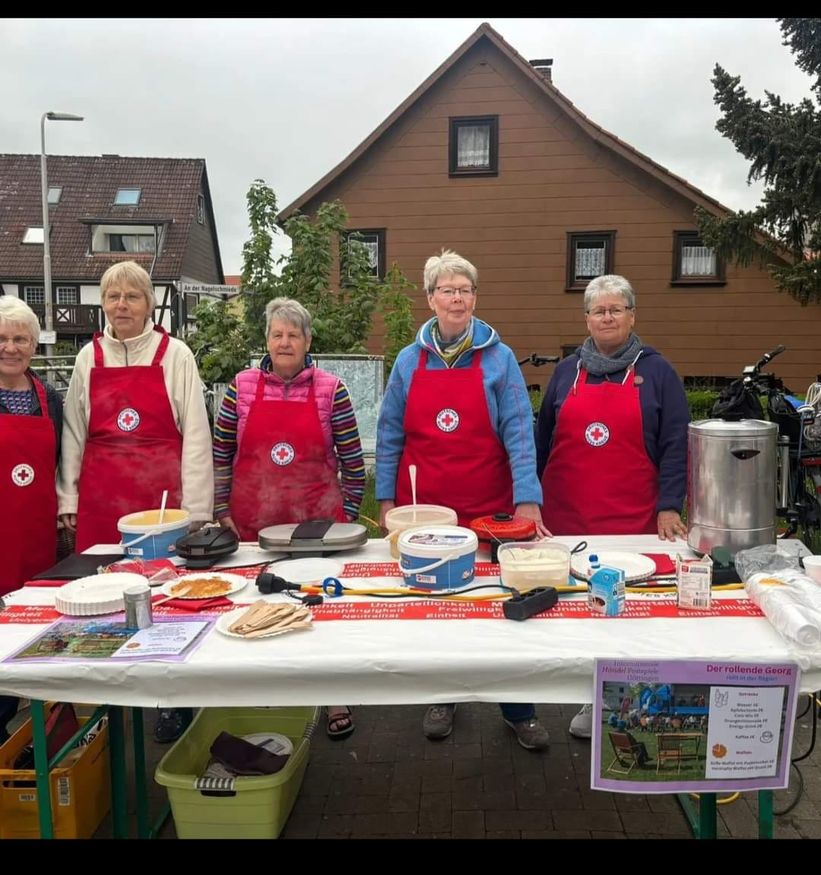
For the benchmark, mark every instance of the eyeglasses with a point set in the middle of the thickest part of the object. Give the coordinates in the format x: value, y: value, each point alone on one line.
x: 615, y: 312
x: 19, y: 341
x: 131, y: 298
x: 449, y: 291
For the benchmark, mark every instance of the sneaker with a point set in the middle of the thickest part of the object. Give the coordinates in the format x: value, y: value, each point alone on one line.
x: 438, y: 721
x: 581, y: 726
x: 530, y: 734
x: 171, y: 723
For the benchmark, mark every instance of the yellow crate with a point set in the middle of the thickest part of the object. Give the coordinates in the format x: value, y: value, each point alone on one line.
x: 80, y: 790
x: 261, y: 805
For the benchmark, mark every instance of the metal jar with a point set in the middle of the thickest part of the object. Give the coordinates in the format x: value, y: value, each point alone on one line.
x: 731, y: 484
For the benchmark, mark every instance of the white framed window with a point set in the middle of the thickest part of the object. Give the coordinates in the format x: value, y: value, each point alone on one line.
x: 55, y: 192
x: 126, y: 238
x: 33, y: 234
x: 127, y: 197
x: 200, y: 209
x: 68, y: 295
x: 34, y: 295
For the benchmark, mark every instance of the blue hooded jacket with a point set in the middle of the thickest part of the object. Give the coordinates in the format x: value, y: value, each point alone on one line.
x: 507, y: 402
x: 664, y: 412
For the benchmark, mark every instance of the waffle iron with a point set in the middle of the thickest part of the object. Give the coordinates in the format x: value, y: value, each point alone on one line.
x: 204, y: 548
x: 318, y: 537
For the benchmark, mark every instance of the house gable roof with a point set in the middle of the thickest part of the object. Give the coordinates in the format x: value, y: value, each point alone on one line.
x: 169, y: 189
x: 596, y: 132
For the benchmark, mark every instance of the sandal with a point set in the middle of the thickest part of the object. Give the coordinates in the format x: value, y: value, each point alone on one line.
x: 340, y: 722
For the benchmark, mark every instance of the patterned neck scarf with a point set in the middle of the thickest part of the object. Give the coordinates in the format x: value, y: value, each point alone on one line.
x: 451, y: 350
x: 599, y: 365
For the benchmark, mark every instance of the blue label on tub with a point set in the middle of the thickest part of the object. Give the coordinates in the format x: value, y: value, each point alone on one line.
x: 453, y: 574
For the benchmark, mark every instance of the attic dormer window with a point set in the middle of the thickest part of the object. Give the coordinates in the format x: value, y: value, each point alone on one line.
x: 55, y: 192
x: 127, y: 197
x: 33, y: 234
x: 474, y: 146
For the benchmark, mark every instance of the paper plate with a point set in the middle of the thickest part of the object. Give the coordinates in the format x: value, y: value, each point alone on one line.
x: 635, y: 566
x: 97, y: 594
x: 307, y: 570
x: 232, y: 616
x: 274, y: 742
x: 237, y: 583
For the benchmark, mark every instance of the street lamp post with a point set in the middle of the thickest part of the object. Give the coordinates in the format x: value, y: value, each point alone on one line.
x: 49, y: 307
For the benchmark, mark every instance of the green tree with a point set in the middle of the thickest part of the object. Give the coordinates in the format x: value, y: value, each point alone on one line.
x: 343, y: 315
x: 220, y: 344
x: 397, y: 312
x: 783, y: 143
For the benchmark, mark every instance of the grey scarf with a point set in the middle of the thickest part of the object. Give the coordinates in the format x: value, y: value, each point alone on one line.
x: 598, y: 365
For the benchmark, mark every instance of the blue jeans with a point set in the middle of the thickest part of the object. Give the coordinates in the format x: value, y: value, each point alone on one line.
x: 516, y: 713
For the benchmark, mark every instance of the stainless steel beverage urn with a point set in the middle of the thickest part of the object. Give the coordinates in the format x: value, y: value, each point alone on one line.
x: 731, y: 484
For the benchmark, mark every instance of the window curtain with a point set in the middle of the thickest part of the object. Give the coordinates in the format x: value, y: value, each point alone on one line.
x: 473, y: 146
x: 590, y: 261
x: 698, y: 261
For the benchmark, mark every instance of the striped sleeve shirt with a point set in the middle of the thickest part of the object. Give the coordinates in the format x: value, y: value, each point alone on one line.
x: 346, y: 442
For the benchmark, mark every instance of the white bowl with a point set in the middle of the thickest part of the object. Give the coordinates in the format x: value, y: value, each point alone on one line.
x: 812, y: 565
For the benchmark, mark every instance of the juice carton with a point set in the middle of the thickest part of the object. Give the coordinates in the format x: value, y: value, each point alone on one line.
x: 605, y: 592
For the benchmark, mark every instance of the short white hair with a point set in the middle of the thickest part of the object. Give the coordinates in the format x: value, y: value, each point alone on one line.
x: 16, y: 312
x: 290, y: 311
x: 449, y: 263
x: 609, y: 284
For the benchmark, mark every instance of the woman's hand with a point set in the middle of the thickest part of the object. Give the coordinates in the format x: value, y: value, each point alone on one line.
x: 670, y: 525
x: 196, y: 526
x: 384, y: 507
x: 69, y: 521
x: 227, y: 523
x: 532, y: 511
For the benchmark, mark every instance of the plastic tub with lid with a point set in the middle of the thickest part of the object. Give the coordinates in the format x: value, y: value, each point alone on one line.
x: 438, y: 558
x: 410, y: 516
x: 528, y: 564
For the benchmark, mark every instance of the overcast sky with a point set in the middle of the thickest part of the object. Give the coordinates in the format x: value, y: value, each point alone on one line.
x: 285, y: 100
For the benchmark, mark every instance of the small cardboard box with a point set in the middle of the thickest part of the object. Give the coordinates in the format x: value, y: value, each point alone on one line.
x: 694, y: 577
x: 605, y: 592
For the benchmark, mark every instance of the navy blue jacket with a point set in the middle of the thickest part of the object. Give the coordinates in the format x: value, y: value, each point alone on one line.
x: 664, y: 411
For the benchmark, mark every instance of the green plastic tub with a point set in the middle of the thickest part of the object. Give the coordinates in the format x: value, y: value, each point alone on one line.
x: 261, y: 805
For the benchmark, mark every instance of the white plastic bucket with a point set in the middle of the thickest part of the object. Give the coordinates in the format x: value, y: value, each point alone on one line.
x: 410, y: 516
x: 144, y: 536
x: 438, y: 558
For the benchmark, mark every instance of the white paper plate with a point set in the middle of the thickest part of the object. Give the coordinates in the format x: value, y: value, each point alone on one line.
x: 96, y: 594
x: 274, y: 742
x: 236, y: 580
x: 307, y: 570
x: 635, y: 566
x: 232, y: 616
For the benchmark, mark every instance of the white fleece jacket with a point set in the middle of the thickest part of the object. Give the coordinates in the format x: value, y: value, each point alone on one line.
x: 184, y: 387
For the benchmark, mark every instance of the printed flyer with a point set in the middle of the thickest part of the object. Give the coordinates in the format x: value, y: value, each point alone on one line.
x: 669, y: 726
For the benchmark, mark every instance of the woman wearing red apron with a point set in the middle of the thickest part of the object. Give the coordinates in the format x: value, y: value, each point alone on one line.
x: 30, y: 426
x: 135, y: 426
x: 456, y: 406
x: 284, y: 433
x: 611, y: 439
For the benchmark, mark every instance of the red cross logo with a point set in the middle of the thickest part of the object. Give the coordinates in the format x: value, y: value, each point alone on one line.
x: 128, y: 419
x: 447, y: 419
x: 22, y: 475
x: 597, y: 434
x: 282, y: 453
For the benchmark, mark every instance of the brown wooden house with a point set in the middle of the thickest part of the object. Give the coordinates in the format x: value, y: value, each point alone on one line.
x: 489, y: 158
x: 104, y: 209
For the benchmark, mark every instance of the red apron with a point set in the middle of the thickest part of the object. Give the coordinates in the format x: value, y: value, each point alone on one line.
x: 460, y: 461
x: 28, y: 448
x: 599, y: 479
x: 281, y: 473
x: 133, y: 450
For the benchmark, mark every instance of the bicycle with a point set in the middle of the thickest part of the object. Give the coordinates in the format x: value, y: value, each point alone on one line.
x: 798, y: 463
x: 537, y: 361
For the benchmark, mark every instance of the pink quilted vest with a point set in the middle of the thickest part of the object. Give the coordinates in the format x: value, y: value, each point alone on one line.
x: 276, y: 389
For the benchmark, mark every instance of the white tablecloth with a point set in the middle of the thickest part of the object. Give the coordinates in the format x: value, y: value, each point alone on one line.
x: 395, y: 661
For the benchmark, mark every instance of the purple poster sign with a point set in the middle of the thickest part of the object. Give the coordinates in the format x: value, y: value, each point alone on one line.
x: 669, y: 726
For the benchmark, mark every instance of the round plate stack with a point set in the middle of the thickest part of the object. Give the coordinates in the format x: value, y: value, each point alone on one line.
x: 98, y: 594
